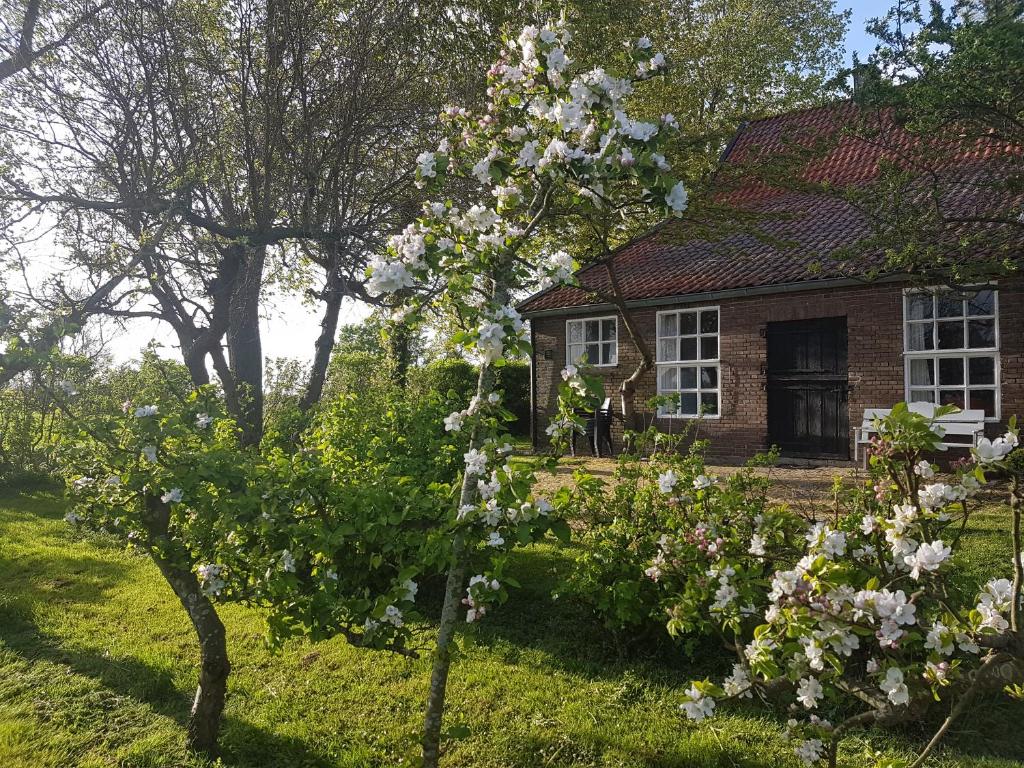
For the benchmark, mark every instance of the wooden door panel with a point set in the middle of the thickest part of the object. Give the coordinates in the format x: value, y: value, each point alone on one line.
x: 807, y: 384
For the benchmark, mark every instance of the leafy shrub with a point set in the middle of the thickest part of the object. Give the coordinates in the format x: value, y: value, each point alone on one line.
x: 455, y: 378
x: 864, y: 614
x: 647, y: 555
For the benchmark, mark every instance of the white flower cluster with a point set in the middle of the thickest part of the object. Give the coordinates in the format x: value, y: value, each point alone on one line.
x: 559, y: 270
x: 211, y: 578
x: 145, y: 411
x: 173, y: 496
x: 502, y: 327
x: 476, y: 596
x: 989, y: 451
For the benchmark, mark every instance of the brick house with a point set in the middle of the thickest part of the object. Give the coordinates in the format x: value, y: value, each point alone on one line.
x: 771, y: 336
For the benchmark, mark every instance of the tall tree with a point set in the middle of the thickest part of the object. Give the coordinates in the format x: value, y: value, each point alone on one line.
x: 265, y: 129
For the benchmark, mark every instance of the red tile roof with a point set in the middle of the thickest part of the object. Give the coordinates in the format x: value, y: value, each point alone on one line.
x: 795, y: 233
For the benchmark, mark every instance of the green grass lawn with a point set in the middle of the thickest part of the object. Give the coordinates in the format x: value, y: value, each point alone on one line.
x: 97, y: 669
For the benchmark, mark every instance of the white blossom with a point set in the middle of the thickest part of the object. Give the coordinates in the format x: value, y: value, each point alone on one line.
x: 676, y: 199
x: 172, y: 496
x: 928, y: 557
x: 287, y: 562
x: 939, y: 639
x: 703, y: 481
x: 667, y: 481
x: 809, y: 692
x: 809, y: 751
x: 988, y: 451
x: 145, y: 410
x: 697, y: 706
x: 894, y: 687
x: 476, y: 461
x: 387, y: 277
x: 211, y: 578
x: 453, y: 421
x: 757, y: 545
x: 738, y: 683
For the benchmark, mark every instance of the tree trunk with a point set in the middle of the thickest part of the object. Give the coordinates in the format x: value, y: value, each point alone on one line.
x: 203, y: 724
x: 400, y: 344
x: 452, y: 599
x: 244, y: 344
x: 332, y: 296
x: 442, y: 655
x: 627, y: 390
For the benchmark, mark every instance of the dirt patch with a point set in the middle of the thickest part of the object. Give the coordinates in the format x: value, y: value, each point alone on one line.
x: 803, y: 488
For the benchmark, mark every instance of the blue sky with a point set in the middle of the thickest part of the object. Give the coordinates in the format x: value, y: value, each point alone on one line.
x: 856, y: 38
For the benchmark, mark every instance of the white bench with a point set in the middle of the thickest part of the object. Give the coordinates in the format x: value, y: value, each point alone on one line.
x: 968, y: 425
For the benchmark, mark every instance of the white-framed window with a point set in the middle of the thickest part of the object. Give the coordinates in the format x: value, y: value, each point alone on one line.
x: 593, y: 341
x: 951, y: 347
x: 688, y: 363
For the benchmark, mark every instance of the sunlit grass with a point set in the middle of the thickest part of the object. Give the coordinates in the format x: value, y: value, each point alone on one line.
x: 97, y: 669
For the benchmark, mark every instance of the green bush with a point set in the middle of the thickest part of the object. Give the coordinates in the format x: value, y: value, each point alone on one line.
x: 456, y: 375
x: 659, y: 505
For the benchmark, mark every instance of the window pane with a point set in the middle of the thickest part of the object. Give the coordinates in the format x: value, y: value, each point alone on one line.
x: 950, y: 305
x: 688, y: 349
x: 709, y: 321
x: 576, y: 353
x: 985, y: 400
x: 708, y: 378
x: 982, y: 303
x: 981, y: 333
x: 922, y: 396
x: 922, y: 372
x: 575, y: 332
x: 981, y: 370
x: 667, y: 350
x: 668, y: 379
x: 688, y: 403
x: 593, y: 353
x: 920, y: 337
x: 951, y: 371
x: 607, y: 329
x: 919, y: 306
x: 952, y: 397
x: 951, y: 335
x: 708, y: 347
x: 608, y: 354
x: 687, y: 378
x: 667, y: 325
x: 709, y: 403
x: 592, y: 329
x: 687, y: 323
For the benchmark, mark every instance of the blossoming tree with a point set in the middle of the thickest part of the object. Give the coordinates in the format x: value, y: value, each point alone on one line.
x: 554, y: 143
x: 868, y: 616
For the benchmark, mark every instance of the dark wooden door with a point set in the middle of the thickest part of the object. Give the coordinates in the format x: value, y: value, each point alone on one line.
x: 808, y: 387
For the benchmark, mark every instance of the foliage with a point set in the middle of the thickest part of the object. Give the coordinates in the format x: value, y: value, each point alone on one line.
x: 359, y: 505
x: 654, y: 533
x: 457, y: 379
x: 950, y: 76
x: 868, y: 615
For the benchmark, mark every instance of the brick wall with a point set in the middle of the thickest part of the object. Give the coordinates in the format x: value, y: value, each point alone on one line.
x: 874, y: 316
